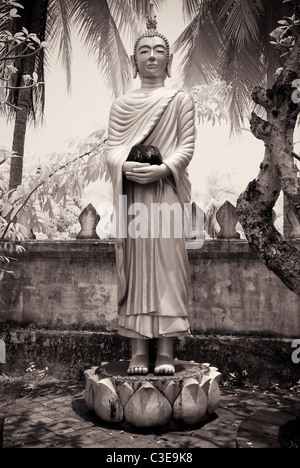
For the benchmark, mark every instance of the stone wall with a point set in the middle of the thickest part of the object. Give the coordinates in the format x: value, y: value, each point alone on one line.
x: 71, y: 285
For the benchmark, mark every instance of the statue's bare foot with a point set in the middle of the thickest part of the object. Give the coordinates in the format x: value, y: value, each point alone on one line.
x: 164, y: 365
x: 139, y: 365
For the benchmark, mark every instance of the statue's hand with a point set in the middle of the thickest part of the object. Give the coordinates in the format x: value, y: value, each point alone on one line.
x: 146, y: 174
x: 128, y: 166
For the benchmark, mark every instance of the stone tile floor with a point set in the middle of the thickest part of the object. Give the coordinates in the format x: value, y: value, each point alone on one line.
x: 54, y: 415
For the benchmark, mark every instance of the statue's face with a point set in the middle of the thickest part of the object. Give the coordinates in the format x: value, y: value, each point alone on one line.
x: 152, y: 57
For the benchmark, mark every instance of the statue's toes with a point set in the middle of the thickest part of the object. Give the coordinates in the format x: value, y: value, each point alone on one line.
x: 164, y: 370
x: 137, y: 371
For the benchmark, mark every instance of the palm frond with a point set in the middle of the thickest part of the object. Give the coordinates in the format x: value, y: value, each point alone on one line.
x: 200, y: 45
x: 59, y: 32
x: 190, y: 9
x: 100, y: 35
x: 242, y: 70
x: 129, y: 20
x: 241, y: 20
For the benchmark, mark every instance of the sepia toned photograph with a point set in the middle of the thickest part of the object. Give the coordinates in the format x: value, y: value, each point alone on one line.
x: 149, y: 226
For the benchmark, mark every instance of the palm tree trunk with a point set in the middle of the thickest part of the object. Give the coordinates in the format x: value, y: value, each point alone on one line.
x: 33, y: 21
x: 278, y: 172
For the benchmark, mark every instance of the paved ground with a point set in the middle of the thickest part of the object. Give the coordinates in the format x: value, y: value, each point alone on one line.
x: 54, y: 415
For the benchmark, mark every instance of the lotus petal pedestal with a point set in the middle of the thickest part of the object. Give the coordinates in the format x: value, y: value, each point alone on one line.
x: 186, y: 398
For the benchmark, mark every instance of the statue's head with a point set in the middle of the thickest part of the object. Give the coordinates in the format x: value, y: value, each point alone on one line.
x: 151, y: 55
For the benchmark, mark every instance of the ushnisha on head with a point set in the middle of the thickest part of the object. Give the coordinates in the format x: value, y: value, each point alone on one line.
x: 152, y: 47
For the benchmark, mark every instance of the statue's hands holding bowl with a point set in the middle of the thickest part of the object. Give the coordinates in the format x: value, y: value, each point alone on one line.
x: 145, y: 173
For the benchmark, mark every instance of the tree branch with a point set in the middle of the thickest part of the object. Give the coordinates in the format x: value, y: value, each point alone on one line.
x: 22, y: 56
x: 278, y: 172
x: 12, y: 105
x: 260, y: 96
x: 24, y: 87
x: 260, y: 128
x: 296, y: 156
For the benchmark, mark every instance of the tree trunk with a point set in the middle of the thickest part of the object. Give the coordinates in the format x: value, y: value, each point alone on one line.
x: 277, y: 172
x: 33, y: 21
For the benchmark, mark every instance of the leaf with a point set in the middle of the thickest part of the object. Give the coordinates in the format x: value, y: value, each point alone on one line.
x: 34, y: 38
x: 13, y: 12
x: 6, y: 210
x: 19, y: 35
x: 15, y: 211
x: 16, y: 4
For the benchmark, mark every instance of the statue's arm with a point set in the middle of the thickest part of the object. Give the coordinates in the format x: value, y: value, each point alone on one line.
x: 179, y: 160
x: 113, y: 137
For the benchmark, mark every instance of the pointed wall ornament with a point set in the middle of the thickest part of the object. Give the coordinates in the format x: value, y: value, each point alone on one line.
x: 293, y: 228
x: 227, y: 219
x: 89, y: 220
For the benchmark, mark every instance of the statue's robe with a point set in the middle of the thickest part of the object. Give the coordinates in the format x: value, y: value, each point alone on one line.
x: 153, y: 271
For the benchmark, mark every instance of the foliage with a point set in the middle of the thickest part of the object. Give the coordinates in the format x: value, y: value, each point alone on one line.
x: 13, y: 47
x: 230, y: 41
x: 284, y: 37
x: 212, y: 101
x: 65, y: 224
x: 45, y: 195
x: 224, y: 41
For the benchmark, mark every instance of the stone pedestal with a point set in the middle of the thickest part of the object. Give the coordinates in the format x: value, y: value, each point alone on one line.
x: 186, y: 398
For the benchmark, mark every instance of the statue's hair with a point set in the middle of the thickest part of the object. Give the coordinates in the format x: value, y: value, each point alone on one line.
x: 151, y: 33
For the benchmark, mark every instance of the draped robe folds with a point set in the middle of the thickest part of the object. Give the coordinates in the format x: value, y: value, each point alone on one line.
x: 153, y: 273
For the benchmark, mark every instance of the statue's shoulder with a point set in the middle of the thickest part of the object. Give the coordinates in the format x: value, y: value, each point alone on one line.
x: 120, y: 100
x: 124, y: 101
x: 185, y: 98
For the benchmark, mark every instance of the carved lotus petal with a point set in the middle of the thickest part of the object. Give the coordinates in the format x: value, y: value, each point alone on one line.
x: 172, y: 391
x: 148, y: 408
x: 125, y: 393
x: 91, y: 388
x: 214, y: 394
x: 107, y: 403
x: 191, y: 405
